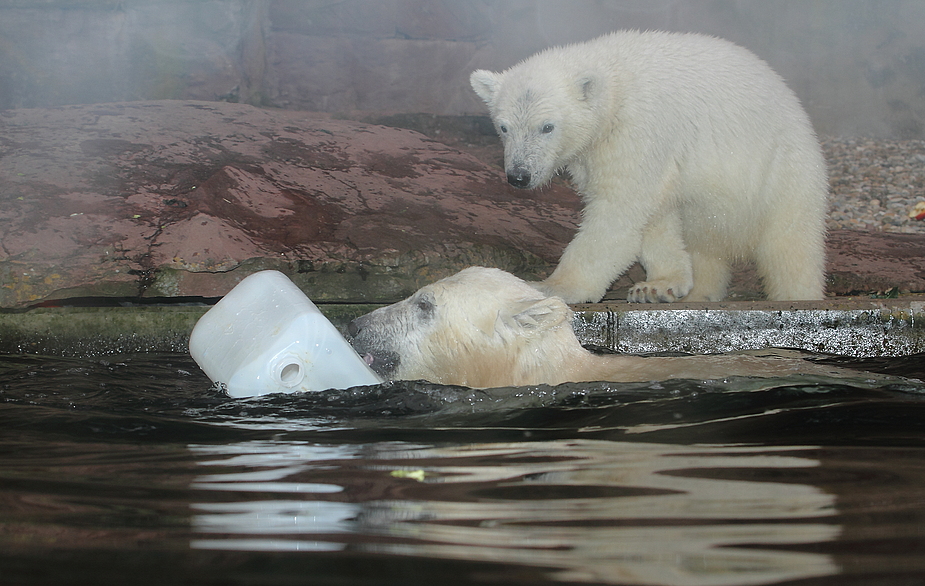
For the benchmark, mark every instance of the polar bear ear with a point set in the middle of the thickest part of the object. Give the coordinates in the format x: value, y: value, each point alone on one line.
x: 539, y: 315
x: 486, y: 84
x: 588, y: 87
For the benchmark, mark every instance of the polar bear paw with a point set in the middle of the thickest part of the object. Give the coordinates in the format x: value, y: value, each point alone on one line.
x: 660, y: 291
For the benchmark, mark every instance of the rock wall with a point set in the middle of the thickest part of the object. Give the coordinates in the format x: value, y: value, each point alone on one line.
x: 174, y: 198
x: 858, y: 66
x: 184, y: 198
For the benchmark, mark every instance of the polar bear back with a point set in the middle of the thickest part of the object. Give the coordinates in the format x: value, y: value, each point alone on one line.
x: 711, y: 105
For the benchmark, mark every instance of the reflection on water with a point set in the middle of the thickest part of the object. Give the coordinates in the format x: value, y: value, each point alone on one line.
x: 133, y: 466
x: 283, y: 522
x: 591, y: 511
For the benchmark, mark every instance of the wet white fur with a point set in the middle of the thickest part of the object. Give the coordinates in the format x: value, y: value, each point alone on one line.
x: 487, y: 328
x: 689, y: 152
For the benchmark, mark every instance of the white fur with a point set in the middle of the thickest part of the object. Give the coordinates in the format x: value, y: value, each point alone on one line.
x: 688, y: 151
x: 487, y: 328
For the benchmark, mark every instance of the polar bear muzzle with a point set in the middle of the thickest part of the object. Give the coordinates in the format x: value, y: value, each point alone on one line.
x: 519, y: 177
x: 384, y: 361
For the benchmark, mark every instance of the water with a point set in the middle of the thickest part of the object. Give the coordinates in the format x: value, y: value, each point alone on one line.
x: 132, y: 469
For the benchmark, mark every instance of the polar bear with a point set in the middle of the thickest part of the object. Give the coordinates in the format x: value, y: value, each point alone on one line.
x: 688, y: 151
x: 487, y: 328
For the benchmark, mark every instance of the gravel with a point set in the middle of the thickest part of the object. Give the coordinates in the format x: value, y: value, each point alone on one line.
x: 875, y: 183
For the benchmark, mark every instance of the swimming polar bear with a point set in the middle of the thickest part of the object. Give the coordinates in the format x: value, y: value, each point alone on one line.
x: 487, y: 328
x: 688, y: 151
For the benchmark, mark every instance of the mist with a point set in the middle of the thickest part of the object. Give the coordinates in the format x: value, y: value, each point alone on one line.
x: 858, y: 66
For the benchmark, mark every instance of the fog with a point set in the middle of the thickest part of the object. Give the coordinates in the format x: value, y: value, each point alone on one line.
x: 857, y: 65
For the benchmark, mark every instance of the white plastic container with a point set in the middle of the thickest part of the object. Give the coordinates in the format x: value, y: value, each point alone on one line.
x: 265, y: 336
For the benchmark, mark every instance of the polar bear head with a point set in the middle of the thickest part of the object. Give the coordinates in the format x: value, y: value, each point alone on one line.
x: 547, y: 111
x: 480, y: 327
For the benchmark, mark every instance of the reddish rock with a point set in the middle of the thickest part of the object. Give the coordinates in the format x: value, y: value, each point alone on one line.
x: 131, y: 199
x: 868, y: 262
x: 175, y: 198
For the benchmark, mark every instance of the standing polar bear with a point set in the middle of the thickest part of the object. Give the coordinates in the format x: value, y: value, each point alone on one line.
x: 689, y: 153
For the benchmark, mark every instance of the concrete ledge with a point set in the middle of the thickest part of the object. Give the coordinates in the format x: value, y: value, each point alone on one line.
x: 102, y: 331
x: 850, y: 327
x: 98, y: 331
x: 861, y: 328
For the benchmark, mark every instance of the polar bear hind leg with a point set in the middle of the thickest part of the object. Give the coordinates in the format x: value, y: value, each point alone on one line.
x: 791, y: 263
x: 711, y: 277
x: 789, y: 251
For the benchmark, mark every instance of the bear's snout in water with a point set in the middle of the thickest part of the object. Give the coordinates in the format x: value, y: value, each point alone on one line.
x: 383, y: 361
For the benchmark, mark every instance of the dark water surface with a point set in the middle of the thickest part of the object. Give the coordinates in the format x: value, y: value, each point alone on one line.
x: 133, y: 470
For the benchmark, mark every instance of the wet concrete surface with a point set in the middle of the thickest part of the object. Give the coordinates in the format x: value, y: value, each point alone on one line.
x: 859, y: 327
x: 845, y: 326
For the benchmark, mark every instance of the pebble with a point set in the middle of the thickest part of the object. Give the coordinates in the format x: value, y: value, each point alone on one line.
x: 875, y: 183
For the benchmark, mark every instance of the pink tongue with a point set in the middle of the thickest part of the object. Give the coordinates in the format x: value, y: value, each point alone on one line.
x: 369, y: 359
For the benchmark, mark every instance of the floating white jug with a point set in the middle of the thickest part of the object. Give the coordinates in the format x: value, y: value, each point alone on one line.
x: 265, y: 336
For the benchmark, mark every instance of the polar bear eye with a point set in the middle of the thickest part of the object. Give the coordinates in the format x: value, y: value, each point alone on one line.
x: 547, y: 128
x: 503, y: 129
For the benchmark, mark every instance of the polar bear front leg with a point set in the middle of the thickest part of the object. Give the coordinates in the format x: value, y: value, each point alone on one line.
x: 606, y: 244
x: 669, y: 274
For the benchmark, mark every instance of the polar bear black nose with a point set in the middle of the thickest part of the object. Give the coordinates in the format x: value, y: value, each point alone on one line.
x: 355, y: 326
x: 518, y: 177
